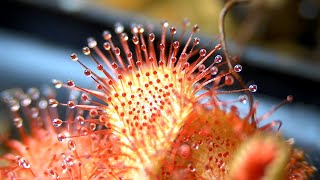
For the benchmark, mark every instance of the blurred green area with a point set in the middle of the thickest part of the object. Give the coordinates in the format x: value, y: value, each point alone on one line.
x: 287, y: 26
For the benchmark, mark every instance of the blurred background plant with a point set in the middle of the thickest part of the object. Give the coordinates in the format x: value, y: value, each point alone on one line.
x: 287, y: 26
x: 278, y: 42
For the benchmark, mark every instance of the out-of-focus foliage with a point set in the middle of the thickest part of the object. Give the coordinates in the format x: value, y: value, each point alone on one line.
x: 283, y: 25
x: 205, y: 13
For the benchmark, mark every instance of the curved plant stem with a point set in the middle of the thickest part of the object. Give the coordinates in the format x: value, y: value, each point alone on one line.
x: 223, y: 13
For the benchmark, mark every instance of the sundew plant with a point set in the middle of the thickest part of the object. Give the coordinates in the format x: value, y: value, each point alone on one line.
x: 154, y: 113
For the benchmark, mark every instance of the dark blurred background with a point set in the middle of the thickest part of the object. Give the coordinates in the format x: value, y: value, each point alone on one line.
x: 278, y: 42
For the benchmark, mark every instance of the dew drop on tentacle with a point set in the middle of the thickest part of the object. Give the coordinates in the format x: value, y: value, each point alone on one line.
x: 87, y: 72
x: 243, y: 99
x: 25, y: 100
x: 196, y: 41
x: 74, y: 57
x: 18, y: 122
x: 290, y: 98
x: 237, y: 68
x: 43, y: 104
x: 23, y: 162
x: 80, y: 120
x: 106, y: 35
x: 91, y: 42
x: 217, y: 59
x: 214, y: 70
x: 119, y: 28
x: 70, y: 83
x: 173, y: 30
x: 61, y: 137
x: 71, y: 104
x: 203, y: 53
x: 53, y: 102
x: 71, y: 145
x: 57, y: 84
x: 57, y: 122
x: 191, y: 167
x: 253, y: 88
x: 86, y: 51
x: 92, y: 126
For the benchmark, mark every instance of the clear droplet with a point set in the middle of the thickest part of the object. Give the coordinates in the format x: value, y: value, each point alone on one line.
x: 64, y: 167
x: 92, y: 126
x: 106, y: 35
x: 165, y: 23
x: 217, y: 59
x: 57, y: 84
x: 18, y: 122
x: 93, y: 112
x: 191, y: 167
x: 214, y: 70
x: 57, y: 122
x: 196, y: 28
x: 53, y: 102
x: 124, y: 37
x: 243, y: 99
x: 61, y: 137
x: 290, y: 98
x: 84, y: 97
x: 92, y: 42
x: 106, y: 46
x: 203, y: 52
x: 71, y: 145
x: 196, y: 41
x: 86, y: 51
x: 103, y: 118
x: 140, y: 29
x: 25, y: 101
x: 118, y: 28
x: 70, y: 83
x: 195, y: 146
x: 43, y: 104
x: 202, y: 67
x: 173, y: 30
x: 14, y: 107
x: 237, y: 68
x: 134, y: 28
x: 74, y: 57
x: 87, y: 72
x: 117, y: 51
x: 135, y: 39
x: 80, y: 119
x: 23, y: 162
x: 69, y: 160
x: 53, y: 173
x: 71, y: 104
x: 152, y: 37
x: 176, y: 44
x: 253, y: 88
